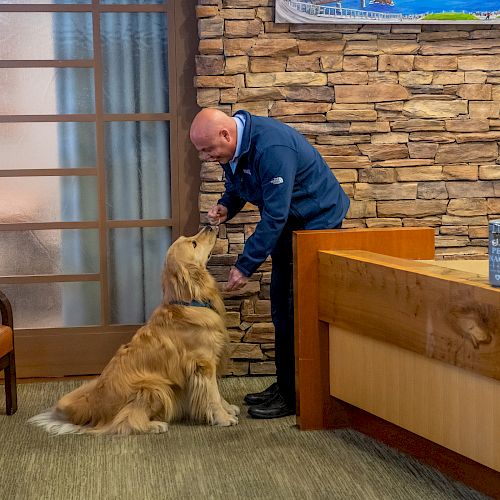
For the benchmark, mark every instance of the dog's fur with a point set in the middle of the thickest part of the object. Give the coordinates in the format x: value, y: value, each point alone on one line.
x: 168, y: 370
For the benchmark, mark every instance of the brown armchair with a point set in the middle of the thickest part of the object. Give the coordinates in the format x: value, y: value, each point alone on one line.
x: 7, y: 358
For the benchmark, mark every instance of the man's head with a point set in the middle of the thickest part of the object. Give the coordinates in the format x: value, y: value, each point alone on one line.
x: 214, y: 135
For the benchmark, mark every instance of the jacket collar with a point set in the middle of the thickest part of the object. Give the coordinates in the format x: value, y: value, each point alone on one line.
x: 245, y: 140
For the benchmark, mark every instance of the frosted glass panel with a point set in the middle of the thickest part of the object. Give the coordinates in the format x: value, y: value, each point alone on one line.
x: 138, y: 170
x: 47, y: 145
x: 41, y: 305
x: 44, y: 35
x: 136, y: 258
x: 68, y: 251
x: 32, y: 91
x: 134, y: 50
x: 48, y: 199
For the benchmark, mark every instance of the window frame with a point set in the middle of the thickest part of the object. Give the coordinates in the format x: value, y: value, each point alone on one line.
x: 85, y: 349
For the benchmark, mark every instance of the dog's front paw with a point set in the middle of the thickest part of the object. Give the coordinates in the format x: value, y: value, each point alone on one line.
x: 233, y: 410
x: 224, y: 419
x: 157, y: 427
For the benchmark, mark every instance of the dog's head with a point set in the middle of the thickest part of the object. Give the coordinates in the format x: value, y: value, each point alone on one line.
x: 185, y: 276
x: 192, y: 251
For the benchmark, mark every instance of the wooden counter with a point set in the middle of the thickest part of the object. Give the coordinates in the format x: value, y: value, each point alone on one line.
x: 401, y: 347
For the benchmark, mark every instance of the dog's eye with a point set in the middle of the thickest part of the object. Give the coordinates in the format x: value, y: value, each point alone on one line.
x: 194, y: 244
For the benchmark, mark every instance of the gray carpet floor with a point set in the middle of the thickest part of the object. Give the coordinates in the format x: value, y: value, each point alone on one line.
x: 257, y: 459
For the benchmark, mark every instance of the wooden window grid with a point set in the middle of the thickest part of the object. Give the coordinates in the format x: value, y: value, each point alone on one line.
x: 184, y: 180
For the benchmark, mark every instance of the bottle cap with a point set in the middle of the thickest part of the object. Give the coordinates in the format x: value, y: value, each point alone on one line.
x: 495, y: 226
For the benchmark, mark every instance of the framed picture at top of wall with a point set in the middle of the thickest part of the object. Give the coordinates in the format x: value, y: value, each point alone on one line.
x: 388, y: 11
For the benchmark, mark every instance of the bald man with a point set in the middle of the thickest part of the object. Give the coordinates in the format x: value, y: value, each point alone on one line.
x: 272, y: 166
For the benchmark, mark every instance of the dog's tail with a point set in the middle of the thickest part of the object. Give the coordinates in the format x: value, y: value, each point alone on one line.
x: 55, y: 422
x: 71, y: 415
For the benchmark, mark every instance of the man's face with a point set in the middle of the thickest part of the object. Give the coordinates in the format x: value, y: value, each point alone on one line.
x: 215, y: 147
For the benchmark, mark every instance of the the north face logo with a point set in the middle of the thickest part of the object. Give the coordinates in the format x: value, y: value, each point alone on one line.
x: 277, y: 180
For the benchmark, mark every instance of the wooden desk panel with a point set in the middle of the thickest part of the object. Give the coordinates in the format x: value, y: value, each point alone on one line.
x: 454, y: 408
x: 311, y: 336
x: 439, y: 312
x: 417, y: 344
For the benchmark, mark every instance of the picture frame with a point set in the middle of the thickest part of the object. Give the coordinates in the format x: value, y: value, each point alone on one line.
x: 388, y: 11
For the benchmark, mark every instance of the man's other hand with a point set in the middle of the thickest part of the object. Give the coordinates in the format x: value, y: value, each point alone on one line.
x: 217, y: 215
x: 236, y: 280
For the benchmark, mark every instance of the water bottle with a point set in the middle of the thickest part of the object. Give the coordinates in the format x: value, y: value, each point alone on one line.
x: 494, y: 252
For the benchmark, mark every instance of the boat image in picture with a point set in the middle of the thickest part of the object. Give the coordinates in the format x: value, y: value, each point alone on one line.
x: 390, y: 3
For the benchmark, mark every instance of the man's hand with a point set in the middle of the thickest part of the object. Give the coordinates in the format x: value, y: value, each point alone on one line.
x: 217, y: 215
x: 236, y: 280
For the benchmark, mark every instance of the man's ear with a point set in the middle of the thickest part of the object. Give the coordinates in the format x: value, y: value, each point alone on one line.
x: 225, y: 134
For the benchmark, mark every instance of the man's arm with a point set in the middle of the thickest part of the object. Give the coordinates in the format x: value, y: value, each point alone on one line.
x: 277, y: 168
x: 231, y: 199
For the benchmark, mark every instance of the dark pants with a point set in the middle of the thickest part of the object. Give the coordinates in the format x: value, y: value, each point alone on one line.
x: 282, y: 311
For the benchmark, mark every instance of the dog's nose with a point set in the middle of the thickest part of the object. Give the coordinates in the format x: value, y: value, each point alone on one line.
x: 208, y: 229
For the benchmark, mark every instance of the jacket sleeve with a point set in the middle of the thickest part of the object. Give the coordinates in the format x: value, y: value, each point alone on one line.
x: 231, y: 199
x: 277, y: 167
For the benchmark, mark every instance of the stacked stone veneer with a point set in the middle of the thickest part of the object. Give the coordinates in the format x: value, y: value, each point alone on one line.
x: 406, y: 116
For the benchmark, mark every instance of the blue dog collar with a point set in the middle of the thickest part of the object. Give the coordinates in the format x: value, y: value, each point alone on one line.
x: 194, y: 303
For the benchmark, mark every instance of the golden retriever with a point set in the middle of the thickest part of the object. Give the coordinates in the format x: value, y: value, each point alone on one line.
x: 168, y: 370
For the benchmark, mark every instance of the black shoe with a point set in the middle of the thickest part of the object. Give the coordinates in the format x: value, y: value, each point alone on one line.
x: 275, y: 408
x: 257, y: 398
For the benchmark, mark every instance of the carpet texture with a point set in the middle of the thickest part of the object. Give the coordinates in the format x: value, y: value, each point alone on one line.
x: 256, y: 459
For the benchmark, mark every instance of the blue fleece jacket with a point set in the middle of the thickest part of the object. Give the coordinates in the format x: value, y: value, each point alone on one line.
x: 282, y: 174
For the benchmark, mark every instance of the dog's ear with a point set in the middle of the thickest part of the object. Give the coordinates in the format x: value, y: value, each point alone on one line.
x: 183, y: 282
x: 197, y: 274
x: 192, y: 278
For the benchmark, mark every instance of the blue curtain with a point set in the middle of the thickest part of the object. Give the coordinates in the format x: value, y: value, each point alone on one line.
x: 134, y: 57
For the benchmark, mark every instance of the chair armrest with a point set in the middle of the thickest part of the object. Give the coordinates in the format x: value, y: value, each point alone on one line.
x: 6, y: 311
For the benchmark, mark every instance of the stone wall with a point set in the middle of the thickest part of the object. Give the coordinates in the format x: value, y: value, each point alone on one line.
x: 406, y: 116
